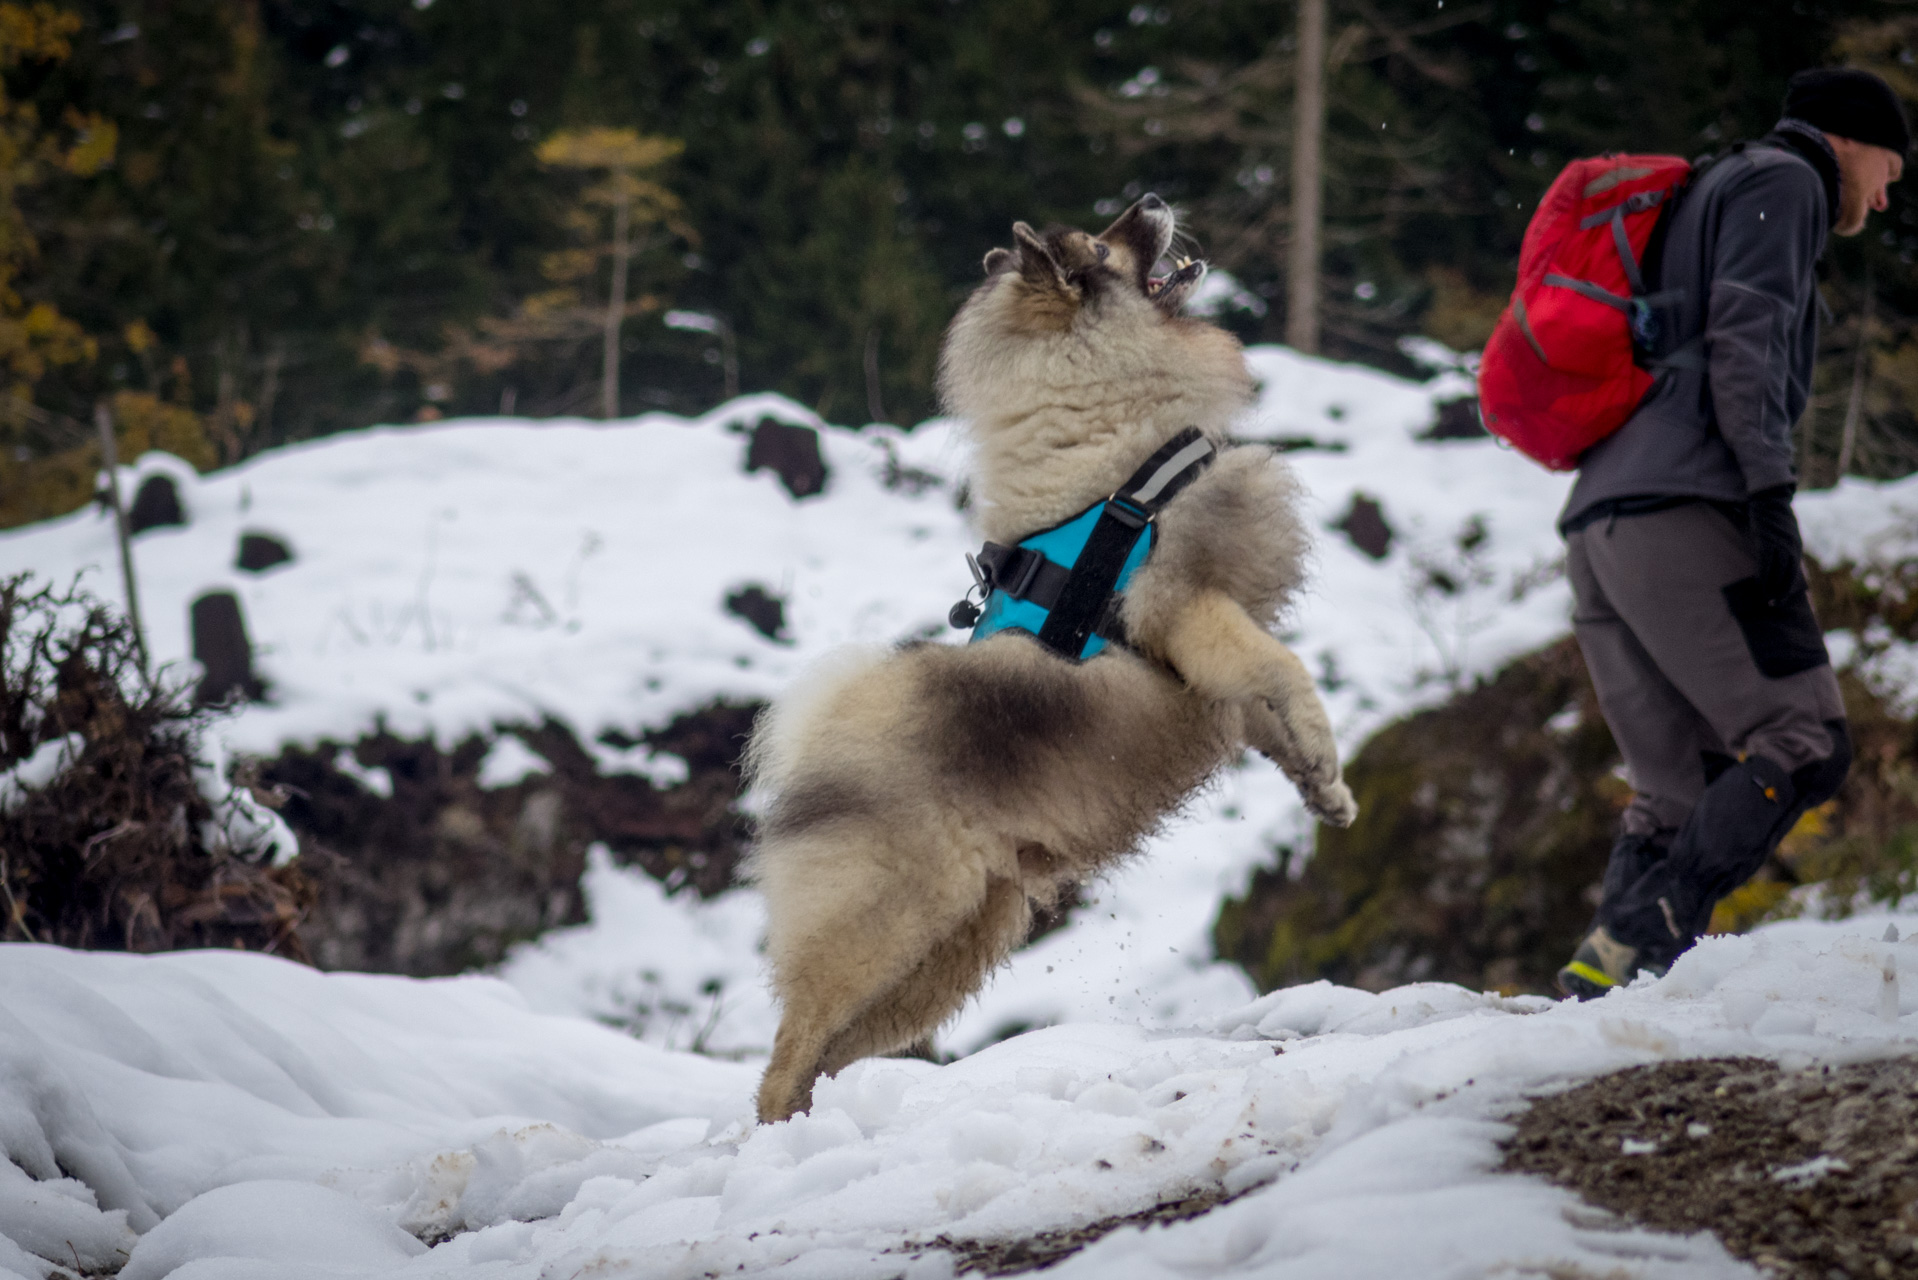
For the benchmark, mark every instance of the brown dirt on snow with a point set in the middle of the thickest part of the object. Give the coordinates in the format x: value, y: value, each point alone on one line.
x: 1033, y: 1253
x: 1724, y: 1131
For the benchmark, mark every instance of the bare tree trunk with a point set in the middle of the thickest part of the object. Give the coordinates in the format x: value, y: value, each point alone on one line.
x: 110, y: 460
x: 1308, y: 181
x: 875, y: 406
x: 729, y: 348
x: 226, y: 419
x: 1860, y: 375
x: 270, y: 389
x: 615, y: 310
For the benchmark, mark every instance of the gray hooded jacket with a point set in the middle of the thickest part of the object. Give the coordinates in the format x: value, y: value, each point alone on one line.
x: 1741, y: 251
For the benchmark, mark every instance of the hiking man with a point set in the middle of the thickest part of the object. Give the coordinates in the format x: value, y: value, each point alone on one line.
x: 1681, y: 546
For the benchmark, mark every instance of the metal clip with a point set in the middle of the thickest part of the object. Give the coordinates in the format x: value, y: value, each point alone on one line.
x: 967, y: 612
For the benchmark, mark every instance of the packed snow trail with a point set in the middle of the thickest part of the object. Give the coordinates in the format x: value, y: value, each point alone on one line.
x: 232, y: 1115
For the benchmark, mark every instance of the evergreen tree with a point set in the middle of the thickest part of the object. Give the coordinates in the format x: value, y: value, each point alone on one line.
x: 296, y: 216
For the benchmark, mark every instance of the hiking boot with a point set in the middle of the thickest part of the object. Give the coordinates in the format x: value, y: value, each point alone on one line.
x: 1601, y: 963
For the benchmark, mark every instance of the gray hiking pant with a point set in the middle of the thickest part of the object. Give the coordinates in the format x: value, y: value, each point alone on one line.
x: 1688, y: 671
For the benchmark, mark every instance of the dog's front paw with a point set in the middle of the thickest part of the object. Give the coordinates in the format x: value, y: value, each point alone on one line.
x: 1333, y: 804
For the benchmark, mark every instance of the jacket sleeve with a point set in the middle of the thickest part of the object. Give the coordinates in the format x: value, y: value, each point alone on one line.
x: 1770, y: 230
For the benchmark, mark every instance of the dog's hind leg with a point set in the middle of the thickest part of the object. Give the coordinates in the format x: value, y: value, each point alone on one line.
x: 850, y: 915
x: 1222, y: 653
x: 940, y: 984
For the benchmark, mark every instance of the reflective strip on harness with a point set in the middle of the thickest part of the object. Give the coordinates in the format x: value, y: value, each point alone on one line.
x: 1174, y: 466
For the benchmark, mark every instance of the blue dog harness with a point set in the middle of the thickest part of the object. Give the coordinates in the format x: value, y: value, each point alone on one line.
x: 1062, y: 585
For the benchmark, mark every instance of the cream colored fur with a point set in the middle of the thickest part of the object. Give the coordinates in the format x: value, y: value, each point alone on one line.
x: 921, y: 800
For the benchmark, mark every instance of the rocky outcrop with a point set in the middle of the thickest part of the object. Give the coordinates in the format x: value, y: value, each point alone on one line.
x: 1484, y: 823
x: 1483, y: 829
x: 423, y: 869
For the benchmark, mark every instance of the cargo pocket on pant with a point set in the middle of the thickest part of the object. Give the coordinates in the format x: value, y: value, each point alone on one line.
x: 1784, y: 638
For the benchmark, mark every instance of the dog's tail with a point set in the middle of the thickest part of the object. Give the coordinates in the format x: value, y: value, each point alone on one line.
x: 784, y: 730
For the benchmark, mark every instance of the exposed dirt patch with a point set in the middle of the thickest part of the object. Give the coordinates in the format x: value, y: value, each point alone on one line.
x: 1807, y: 1174
x: 1014, y: 1257
x: 442, y: 874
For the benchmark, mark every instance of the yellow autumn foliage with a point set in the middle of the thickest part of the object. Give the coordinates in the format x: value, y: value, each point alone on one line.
x: 605, y: 148
x: 35, y: 336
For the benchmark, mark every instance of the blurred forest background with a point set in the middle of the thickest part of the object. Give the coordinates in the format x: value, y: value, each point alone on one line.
x: 246, y: 222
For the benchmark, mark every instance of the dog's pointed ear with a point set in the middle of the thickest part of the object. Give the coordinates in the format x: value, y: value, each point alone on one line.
x: 998, y: 260
x: 1036, y: 262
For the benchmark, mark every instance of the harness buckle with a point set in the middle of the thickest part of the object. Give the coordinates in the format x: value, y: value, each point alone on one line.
x: 1126, y: 513
x: 1027, y: 568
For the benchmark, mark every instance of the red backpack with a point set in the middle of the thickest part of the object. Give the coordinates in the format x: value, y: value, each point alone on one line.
x: 1566, y: 365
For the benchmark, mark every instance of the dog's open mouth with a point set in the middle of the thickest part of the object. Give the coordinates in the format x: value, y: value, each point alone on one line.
x: 1170, y: 291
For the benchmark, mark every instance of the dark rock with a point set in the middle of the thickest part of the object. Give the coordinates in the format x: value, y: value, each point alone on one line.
x: 1457, y: 420
x: 1364, y: 523
x: 443, y: 876
x: 793, y: 452
x: 156, y: 504
x: 764, y: 612
x: 260, y: 551
x: 1302, y: 444
x: 1482, y: 831
x: 221, y: 647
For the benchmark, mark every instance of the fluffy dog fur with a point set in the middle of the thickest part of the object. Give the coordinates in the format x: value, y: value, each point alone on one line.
x: 922, y: 799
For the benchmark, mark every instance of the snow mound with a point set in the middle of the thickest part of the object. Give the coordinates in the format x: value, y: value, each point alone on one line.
x: 252, y: 1117
x: 451, y: 577
x: 297, y: 1226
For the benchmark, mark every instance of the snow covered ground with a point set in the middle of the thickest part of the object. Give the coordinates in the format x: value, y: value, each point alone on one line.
x: 252, y: 1118
x: 456, y: 578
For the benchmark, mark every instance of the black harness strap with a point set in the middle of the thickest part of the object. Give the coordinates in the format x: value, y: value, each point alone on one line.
x: 1082, y: 605
x: 1080, y: 601
x: 1023, y: 573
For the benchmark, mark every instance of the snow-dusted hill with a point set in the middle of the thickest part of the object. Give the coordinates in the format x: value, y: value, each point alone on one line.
x: 452, y: 578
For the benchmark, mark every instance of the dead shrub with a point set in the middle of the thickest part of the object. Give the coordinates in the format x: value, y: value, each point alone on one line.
x: 118, y: 851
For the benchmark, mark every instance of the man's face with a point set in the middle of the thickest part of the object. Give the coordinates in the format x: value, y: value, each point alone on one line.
x: 1864, y: 173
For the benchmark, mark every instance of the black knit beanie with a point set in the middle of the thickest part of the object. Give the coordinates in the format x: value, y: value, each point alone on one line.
x: 1850, y: 103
